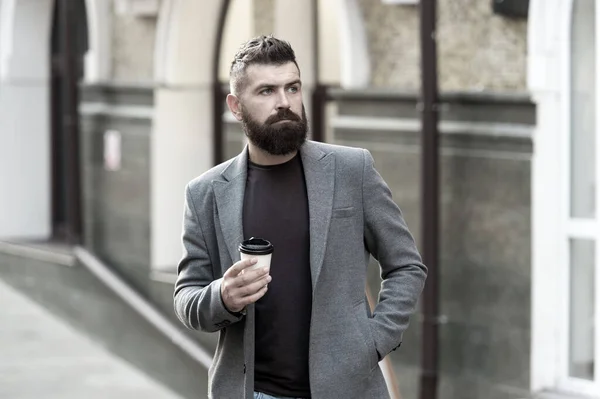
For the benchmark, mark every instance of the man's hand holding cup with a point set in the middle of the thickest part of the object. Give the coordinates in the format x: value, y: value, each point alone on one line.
x: 246, y: 281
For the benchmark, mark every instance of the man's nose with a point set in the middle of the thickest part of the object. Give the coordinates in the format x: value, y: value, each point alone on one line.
x: 283, y: 101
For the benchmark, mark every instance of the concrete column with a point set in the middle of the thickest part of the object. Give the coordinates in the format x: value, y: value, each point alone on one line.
x: 25, y: 190
x: 182, y: 137
x: 181, y: 142
x: 181, y: 149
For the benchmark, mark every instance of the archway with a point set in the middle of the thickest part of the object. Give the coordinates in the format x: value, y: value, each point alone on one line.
x: 188, y: 45
x: 181, y: 145
x: 187, y: 105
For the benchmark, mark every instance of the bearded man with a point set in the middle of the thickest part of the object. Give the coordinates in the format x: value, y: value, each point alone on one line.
x: 301, y: 328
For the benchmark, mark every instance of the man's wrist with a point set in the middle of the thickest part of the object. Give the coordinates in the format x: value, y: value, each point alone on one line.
x: 236, y: 314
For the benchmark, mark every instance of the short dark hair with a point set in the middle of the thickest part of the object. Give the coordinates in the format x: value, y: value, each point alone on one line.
x: 266, y: 50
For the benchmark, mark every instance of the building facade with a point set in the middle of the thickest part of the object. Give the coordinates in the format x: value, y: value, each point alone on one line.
x: 518, y: 203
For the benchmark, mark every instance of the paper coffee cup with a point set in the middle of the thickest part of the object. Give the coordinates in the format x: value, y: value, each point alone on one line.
x: 258, y: 248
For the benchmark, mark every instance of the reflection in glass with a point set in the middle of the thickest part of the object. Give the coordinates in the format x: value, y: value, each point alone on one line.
x: 583, y: 110
x: 581, y: 323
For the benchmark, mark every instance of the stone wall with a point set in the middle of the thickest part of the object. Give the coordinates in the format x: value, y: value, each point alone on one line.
x: 477, y: 50
x: 117, y: 203
x: 133, y: 42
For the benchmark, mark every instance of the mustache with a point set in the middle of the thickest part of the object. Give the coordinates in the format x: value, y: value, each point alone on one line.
x: 283, y: 114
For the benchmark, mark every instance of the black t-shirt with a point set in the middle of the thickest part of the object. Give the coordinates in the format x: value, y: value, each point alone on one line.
x: 276, y: 209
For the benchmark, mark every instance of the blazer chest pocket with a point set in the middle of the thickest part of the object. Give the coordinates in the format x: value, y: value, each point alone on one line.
x: 344, y: 212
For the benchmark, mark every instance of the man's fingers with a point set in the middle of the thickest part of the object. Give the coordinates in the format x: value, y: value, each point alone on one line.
x: 235, y: 296
x: 250, y: 276
x: 253, y: 288
x: 238, y: 301
x: 255, y: 297
x: 237, y: 267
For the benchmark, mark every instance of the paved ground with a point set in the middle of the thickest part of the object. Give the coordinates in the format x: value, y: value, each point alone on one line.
x: 43, y: 358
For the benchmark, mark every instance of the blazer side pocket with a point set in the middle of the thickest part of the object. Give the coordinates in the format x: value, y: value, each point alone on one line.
x: 360, y: 315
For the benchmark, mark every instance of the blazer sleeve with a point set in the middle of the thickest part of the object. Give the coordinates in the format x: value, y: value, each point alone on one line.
x: 197, y: 298
x: 389, y: 241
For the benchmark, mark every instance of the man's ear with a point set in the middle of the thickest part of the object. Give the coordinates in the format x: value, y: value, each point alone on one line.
x: 234, y: 106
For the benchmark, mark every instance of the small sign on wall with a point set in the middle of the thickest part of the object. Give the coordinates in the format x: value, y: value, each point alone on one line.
x: 112, y: 150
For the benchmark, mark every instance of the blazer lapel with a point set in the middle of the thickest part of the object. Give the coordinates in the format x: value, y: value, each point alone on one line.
x: 229, y: 195
x: 319, y: 172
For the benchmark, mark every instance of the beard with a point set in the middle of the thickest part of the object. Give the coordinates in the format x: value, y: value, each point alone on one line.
x: 281, y: 139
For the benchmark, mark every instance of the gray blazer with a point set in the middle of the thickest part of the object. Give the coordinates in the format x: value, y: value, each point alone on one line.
x: 352, y: 215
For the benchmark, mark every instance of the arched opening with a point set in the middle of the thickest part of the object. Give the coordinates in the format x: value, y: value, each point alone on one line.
x: 186, y: 122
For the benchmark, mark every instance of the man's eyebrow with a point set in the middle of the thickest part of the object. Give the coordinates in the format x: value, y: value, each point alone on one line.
x: 265, y: 85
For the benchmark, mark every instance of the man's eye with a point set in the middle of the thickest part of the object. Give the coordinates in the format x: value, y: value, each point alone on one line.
x: 266, y: 91
x: 293, y: 89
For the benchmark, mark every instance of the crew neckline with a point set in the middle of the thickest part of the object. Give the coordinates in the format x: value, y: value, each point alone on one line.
x: 271, y: 167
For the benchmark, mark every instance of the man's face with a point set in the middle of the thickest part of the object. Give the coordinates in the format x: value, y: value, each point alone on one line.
x: 272, y: 113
